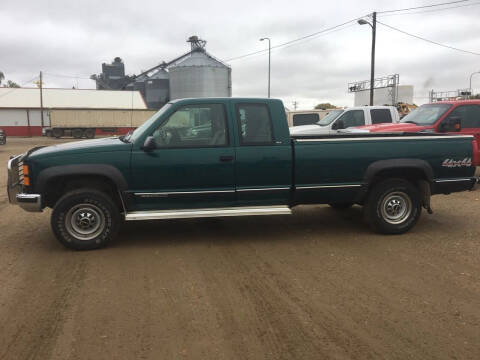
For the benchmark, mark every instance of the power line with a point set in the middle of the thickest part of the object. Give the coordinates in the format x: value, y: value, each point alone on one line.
x: 263, y: 52
x: 294, y: 40
x: 430, y: 41
x: 423, y: 7
x: 432, y: 10
x: 23, y: 84
x: 68, y: 76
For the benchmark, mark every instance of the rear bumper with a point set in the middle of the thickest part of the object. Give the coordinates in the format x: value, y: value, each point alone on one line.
x: 16, y: 196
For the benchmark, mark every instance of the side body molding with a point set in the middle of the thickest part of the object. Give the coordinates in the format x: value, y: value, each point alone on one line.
x: 104, y: 170
x: 392, y: 164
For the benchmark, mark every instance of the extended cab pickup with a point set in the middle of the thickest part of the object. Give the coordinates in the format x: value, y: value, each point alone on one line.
x: 229, y: 157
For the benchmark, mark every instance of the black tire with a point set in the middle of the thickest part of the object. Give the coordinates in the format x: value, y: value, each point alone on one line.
x: 90, y: 133
x: 77, y: 133
x: 393, y: 206
x: 58, y: 133
x: 76, y: 215
x: 341, y: 206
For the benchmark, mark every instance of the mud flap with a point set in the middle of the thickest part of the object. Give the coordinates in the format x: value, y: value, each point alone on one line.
x: 426, y: 194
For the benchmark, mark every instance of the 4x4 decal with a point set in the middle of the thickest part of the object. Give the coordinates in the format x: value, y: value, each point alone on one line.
x: 450, y: 163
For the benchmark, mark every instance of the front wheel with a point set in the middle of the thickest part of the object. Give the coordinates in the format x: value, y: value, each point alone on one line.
x: 85, y: 219
x: 393, y: 206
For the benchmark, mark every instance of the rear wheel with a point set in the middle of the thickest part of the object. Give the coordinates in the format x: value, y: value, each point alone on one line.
x: 58, y: 133
x: 77, y: 133
x: 90, y: 133
x: 85, y: 219
x: 393, y: 206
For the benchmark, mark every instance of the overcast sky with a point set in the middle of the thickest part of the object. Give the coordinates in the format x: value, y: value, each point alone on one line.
x: 73, y: 38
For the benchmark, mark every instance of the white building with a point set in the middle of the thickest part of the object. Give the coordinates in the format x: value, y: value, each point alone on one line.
x: 20, y: 113
x: 384, y: 96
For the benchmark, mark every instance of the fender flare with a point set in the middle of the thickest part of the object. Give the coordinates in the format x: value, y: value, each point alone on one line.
x: 104, y: 170
x: 391, y: 164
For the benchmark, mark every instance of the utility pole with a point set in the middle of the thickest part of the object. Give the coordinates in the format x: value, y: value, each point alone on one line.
x: 373, y: 25
x: 41, y: 99
x: 269, y: 62
x: 372, y: 64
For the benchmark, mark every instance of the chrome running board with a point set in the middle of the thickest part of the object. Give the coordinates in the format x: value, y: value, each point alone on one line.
x: 212, y: 212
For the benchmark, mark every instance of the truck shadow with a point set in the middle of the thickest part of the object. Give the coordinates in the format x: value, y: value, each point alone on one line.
x: 315, y: 221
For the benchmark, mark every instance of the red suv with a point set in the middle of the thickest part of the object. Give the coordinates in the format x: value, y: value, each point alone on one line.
x: 459, y: 116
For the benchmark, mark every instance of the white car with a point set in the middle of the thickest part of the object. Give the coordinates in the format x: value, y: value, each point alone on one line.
x: 338, y: 119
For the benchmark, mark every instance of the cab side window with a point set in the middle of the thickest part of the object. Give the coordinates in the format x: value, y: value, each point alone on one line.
x: 305, y: 119
x: 353, y: 118
x: 469, y: 115
x: 201, y: 125
x: 254, y: 124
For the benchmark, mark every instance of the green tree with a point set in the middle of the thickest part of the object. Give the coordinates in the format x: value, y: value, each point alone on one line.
x: 2, y: 76
x: 12, y: 84
x: 324, y: 106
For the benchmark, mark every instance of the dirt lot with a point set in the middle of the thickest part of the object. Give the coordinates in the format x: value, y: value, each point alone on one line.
x: 316, y: 285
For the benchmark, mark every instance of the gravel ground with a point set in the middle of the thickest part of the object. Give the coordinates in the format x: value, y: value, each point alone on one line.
x: 315, y: 285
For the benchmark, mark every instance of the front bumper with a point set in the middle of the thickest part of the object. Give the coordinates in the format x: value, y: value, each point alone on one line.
x: 16, y: 196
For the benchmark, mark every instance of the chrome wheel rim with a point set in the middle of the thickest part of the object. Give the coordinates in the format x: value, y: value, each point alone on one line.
x: 396, y: 207
x: 85, y: 221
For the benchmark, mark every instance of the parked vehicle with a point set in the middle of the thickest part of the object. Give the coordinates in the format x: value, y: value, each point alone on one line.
x: 247, y: 164
x: 3, y: 137
x: 437, y: 118
x: 88, y: 123
x: 404, y: 109
x: 306, y: 117
x: 338, y: 119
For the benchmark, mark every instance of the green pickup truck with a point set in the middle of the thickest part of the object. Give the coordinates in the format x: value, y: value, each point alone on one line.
x: 217, y: 157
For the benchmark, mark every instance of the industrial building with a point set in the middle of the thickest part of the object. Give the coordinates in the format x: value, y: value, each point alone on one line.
x: 193, y: 74
x: 385, y: 96
x: 21, y: 115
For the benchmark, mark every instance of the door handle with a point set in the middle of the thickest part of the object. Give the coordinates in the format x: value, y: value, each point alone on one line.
x: 225, y: 158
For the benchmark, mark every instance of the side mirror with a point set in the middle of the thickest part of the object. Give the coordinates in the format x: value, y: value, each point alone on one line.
x: 339, y: 124
x: 149, y: 144
x: 451, y: 124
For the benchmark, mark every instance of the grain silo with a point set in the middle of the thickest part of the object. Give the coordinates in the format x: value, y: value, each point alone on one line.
x: 199, y: 75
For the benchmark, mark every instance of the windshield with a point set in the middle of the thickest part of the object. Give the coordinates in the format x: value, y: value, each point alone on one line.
x: 132, y: 136
x: 332, y: 115
x: 426, y: 114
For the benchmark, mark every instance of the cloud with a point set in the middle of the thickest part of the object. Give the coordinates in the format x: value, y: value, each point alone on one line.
x: 75, y: 37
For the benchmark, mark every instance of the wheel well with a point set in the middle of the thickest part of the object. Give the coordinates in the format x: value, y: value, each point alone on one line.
x: 58, y: 186
x: 413, y: 175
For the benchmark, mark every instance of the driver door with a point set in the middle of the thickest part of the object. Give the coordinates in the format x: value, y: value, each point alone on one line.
x: 192, y: 165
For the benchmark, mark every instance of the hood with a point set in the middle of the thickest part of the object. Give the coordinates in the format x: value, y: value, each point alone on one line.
x: 388, y: 127
x: 77, y: 147
x: 309, y: 130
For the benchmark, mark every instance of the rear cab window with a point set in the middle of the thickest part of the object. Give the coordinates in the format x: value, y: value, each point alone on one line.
x: 380, y: 116
x: 254, y: 124
x: 305, y: 119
